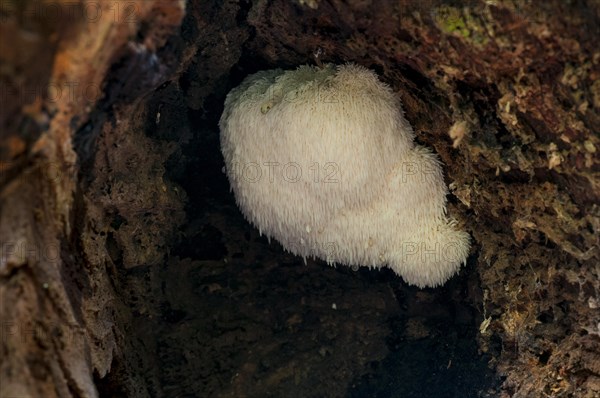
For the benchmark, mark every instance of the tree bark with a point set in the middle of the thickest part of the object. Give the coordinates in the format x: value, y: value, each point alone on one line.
x: 99, y: 101
x: 57, y: 306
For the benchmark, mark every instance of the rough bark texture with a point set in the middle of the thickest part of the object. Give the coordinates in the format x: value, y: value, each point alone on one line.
x: 62, y: 324
x: 126, y: 269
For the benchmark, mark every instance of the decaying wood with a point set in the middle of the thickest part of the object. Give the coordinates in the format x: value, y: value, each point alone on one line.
x: 57, y: 308
x: 507, y: 92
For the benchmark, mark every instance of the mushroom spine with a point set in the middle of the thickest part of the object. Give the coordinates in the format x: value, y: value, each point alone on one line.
x: 323, y: 160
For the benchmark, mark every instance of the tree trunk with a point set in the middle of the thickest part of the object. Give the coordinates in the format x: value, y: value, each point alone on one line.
x: 126, y: 269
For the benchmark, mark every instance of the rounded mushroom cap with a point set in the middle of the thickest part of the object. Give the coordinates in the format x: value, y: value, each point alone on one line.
x: 323, y: 160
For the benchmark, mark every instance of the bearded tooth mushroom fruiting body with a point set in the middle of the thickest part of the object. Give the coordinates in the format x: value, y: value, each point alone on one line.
x: 323, y: 160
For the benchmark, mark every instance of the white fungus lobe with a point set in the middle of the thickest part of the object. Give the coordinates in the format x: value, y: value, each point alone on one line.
x: 323, y: 160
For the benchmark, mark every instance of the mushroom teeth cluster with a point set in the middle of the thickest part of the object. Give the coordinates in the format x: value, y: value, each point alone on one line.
x: 323, y: 160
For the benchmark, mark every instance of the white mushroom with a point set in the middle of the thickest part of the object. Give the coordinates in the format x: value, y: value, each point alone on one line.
x: 323, y: 160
